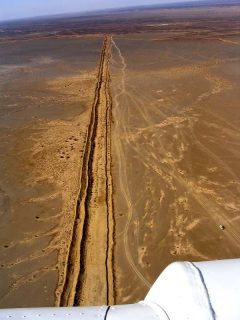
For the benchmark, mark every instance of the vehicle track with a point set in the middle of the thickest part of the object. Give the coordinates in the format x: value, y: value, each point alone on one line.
x: 138, y: 100
x: 122, y: 169
x: 89, y: 264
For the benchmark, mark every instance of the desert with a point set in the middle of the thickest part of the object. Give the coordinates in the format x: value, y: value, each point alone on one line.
x: 120, y: 150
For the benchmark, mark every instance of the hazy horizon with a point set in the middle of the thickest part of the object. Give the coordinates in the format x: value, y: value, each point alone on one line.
x: 20, y: 9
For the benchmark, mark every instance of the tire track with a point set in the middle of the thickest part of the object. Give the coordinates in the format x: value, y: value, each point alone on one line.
x: 122, y: 168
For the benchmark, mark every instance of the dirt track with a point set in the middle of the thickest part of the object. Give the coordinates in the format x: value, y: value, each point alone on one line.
x: 89, y: 269
x: 174, y: 179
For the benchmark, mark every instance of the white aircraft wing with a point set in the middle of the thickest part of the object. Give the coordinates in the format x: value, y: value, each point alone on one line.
x: 184, y: 291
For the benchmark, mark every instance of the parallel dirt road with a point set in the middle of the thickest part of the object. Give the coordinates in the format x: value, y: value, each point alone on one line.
x: 89, y: 270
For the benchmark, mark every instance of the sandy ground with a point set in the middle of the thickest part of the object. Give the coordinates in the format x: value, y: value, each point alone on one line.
x: 117, y: 157
x: 89, y: 272
x: 46, y: 98
x: 175, y: 153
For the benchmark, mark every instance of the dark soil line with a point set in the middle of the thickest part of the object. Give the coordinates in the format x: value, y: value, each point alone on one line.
x: 109, y: 198
x: 76, y: 262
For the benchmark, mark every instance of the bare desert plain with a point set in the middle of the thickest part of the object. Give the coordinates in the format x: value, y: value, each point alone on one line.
x: 120, y: 150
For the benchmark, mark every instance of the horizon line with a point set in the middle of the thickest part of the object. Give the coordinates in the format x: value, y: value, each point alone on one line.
x: 86, y: 12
